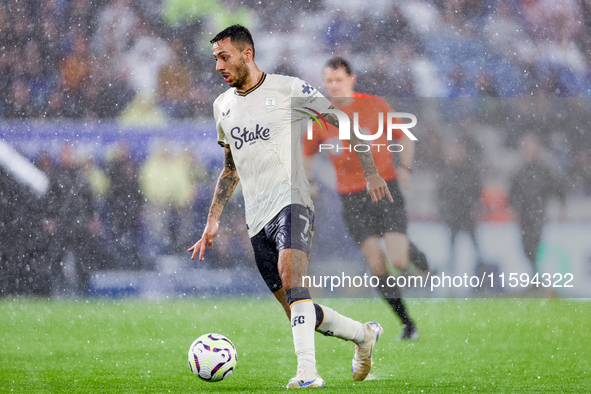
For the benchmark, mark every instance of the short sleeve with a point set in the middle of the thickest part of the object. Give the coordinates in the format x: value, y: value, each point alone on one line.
x: 307, y: 96
x: 222, y: 139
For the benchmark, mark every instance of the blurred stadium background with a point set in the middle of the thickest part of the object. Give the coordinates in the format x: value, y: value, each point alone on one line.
x: 112, y: 100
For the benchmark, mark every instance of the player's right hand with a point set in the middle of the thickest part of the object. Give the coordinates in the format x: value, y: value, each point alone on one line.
x: 209, y: 233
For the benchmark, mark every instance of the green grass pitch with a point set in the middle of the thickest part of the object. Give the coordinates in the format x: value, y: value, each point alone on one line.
x: 129, y: 346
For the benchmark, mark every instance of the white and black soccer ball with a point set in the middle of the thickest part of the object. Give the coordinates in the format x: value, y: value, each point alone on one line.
x: 212, y: 357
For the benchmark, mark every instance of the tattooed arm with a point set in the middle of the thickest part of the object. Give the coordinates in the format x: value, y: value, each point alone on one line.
x: 225, y: 186
x: 376, y: 186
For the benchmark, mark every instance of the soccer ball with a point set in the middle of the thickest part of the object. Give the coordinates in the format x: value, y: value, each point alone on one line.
x: 212, y: 357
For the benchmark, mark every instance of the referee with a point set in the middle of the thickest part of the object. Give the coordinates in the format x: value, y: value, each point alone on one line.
x: 368, y: 222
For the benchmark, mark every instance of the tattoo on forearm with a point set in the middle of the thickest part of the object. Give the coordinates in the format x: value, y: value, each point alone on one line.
x: 225, y: 186
x: 365, y: 158
x: 332, y: 119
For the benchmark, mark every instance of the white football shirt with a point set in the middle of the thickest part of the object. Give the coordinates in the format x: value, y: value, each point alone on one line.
x: 263, y: 132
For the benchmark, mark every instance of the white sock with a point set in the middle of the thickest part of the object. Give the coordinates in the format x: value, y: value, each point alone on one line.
x: 303, y: 320
x: 340, y: 326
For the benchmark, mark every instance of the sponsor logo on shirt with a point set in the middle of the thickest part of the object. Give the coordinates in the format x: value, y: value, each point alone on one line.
x: 307, y: 88
x: 310, y: 91
x: 245, y: 136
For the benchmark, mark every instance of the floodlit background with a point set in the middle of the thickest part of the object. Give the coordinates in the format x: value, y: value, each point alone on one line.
x: 112, y: 102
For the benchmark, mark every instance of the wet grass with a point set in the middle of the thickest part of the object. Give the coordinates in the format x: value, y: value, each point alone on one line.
x: 115, y: 346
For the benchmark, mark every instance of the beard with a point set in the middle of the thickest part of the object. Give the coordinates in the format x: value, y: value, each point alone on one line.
x: 242, y: 74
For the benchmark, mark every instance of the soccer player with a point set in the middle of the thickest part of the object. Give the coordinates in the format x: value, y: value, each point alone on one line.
x: 367, y: 222
x: 260, y: 133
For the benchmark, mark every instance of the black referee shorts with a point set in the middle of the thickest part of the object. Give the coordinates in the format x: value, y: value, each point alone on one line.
x: 365, y: 219
x: 291, y: 228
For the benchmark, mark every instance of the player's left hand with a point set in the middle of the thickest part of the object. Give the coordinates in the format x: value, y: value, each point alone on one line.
x: 377, y: 188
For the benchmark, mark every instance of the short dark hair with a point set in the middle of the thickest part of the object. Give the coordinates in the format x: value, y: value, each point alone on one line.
x: 239, y: 35
x: 338, y: 62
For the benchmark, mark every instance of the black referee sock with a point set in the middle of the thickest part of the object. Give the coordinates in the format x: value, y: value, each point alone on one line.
x: 416, y: 257
x: 392, y: 295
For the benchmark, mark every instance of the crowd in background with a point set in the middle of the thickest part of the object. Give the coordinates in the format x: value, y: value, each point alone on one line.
x: 87, y: 59
x: 119, y: 58
x: 110, y: 213
x: 150, y: 62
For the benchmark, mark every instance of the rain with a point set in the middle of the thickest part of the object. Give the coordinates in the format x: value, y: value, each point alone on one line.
x: 109, y: 156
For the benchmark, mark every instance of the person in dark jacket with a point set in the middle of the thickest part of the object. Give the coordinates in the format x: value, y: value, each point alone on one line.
x: 71, y: 222
x: 531, y: 188
x: 21, y: 271
x: 458, y: 195
x: 125, y: 203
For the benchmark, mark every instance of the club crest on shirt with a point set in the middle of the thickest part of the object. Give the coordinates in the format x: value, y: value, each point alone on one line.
x: 270, y: 103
